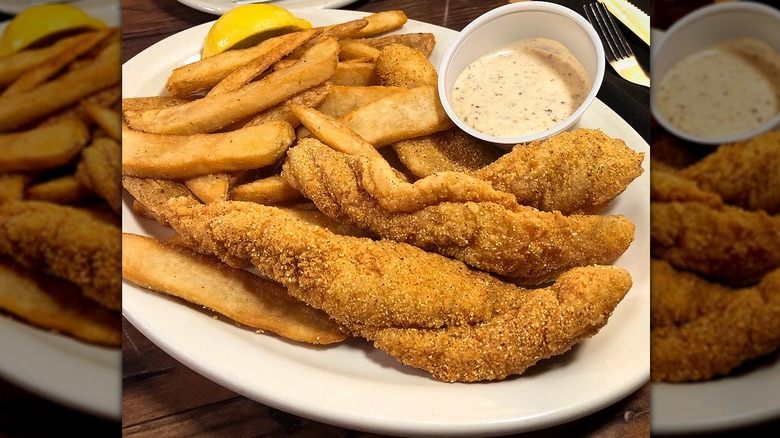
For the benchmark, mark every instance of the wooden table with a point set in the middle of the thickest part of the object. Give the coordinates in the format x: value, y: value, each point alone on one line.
x: 162, y: 397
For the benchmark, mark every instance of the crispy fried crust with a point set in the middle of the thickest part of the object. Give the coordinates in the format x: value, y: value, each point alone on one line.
x: 715, y: 330
x: 432, y: 312
x: 530, y: 246
x: 71, y: 243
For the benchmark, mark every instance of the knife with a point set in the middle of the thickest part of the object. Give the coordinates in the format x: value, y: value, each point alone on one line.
x: 634, y: 18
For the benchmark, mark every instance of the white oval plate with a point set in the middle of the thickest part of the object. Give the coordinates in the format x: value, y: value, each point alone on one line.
x: 81, y: 376
x: 219, y: 7
x: 356, y: 386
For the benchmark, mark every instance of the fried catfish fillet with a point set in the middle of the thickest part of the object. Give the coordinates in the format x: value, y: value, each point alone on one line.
x: 433, y: 312
x: 725, y: 243
x: 70, y: 243
x: 745, y: 173
x: 702, y: 329
x: 527, y: 245
x: 579, y: 171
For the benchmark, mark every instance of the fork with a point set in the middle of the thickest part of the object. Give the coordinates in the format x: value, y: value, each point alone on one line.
x: 618, y: 52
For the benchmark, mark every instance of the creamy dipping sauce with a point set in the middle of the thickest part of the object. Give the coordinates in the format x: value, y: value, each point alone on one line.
x: 727, y: 89
x: 520, y: 90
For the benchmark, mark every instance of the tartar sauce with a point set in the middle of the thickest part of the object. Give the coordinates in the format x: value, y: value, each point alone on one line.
x: 521, y: 89
x: 726, y: 89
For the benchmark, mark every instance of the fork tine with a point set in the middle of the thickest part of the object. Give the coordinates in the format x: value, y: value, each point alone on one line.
x: 616, y: 48
x: 611, y: 36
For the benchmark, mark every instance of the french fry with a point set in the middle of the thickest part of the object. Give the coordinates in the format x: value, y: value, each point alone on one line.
x: 63, y: 190
x: 107, y: 119
x: 214, y: 112
x: 213, y: 187
x: 151, y: 102
x: 81, y: 43
x: 204, y: 74
x: 355, y: 74
x: 311, y: 97
x: 354, y: 49
x: 186, y: 156
x: 56, y: 305
x: 399, y: 116
x: 57, y: 94
x: 247, y: 72
x: 12, y: 186
x: 424, y: 42
x: 42, y: 148
x: 344, y: 99
x: 269, y: 190
x: 338, y: 31
x: 381, y: 22
x: 100, y: 171
x: 236, y: 293
x: 334, y: 133
x: 107, y: 97
x: 153, y: 194
x: 15, y: 65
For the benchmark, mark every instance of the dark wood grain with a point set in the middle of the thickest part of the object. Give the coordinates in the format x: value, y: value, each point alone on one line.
x: 161, y: 397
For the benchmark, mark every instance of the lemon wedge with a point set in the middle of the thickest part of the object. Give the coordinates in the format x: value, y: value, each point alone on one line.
x: 38, y: 23
x: 248, y: 25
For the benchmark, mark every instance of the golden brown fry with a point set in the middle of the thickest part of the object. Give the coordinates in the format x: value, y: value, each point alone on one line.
x: 107, y: 119
x: 12, y: 186
x: 151, y: 102
x: 154, y: 193
x: 353, y: 49
x: 344, y: 99
x: 187, y: 156
x: 338, y: 31
x: 68, y: 242
x: 214, y: 112
x: 235, y: 293
x: 424, y: 42
x: 106, y: 97
x: 311, y: 97
x: 447, y: 151
x: 42, y: 148
x: 400, y: 116
x: 67, y: 89
x: 204, y: 74
x: 56, y: 305
x: 332, y: 132
x: 33, y: 78
x: 244, y: 74
x: 213, y: 187
x: 381, y: 22
x: 100, y: 169
x: 402, y: 66
x: 269, y: 190
x: 15, y: 65
x: 355, y: 74
x: 63, y: 190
